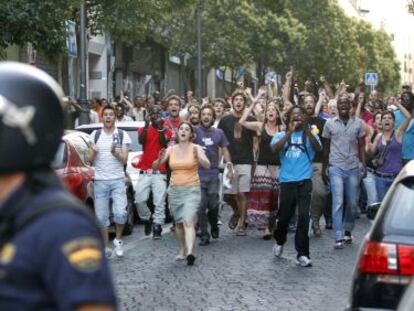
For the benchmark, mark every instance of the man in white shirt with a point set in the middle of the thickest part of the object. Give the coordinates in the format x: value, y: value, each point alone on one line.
x: 109, y: 153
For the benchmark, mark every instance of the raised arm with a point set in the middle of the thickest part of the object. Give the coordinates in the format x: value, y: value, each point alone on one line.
x: 404, y: 125
x: 319, y: 104
x: 252, y: 125
x: 327, y: 87
x: 201, y: 156
x: 371, y: 147
x: 163, y: 156
x: 286, y: 89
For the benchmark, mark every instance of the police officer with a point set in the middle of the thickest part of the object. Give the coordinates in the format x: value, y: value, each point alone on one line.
x: 51, y: 251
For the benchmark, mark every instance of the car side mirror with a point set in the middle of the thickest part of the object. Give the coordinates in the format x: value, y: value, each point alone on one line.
x: 372, y: 210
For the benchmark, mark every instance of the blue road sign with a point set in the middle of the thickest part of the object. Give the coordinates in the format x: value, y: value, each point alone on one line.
x: 371, y: 78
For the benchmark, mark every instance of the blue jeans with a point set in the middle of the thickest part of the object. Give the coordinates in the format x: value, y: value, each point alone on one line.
x: 343, y: 183
x: 370, y: 187
x: 383, y: 184
x: 105, y: 189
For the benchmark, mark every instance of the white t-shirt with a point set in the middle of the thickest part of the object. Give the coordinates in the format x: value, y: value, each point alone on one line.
x: 108, y: 167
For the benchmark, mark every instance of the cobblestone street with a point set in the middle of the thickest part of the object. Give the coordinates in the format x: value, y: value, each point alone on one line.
x: 234, y: 273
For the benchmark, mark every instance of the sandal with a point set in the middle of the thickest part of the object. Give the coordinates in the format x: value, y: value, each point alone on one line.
x: 234, y: 219
x: 267, y: 235
x: 241, y: 232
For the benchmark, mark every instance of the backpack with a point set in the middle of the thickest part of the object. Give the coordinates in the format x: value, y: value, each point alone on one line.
x: 99, y: 131
x: 301, y: 146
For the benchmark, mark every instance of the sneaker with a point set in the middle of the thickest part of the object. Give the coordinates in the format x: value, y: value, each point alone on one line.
x: 108, y: 252
x: 316, y: 229
x: 156, y: 232
x: 348, y: 237
x: 339, y: 244
x: 119, y: 247
x: 204, y: 242
x: 180, y: 257
x: 278, y: 250
x: 219, y: 222
x: 303, y: 261
x: 148, y: 227
x: 215, y: 232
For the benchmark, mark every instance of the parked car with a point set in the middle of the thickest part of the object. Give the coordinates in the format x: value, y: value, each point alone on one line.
x: 72, y: 166
x: 385, y: 263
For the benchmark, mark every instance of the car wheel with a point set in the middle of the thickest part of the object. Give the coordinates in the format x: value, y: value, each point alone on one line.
x: 129, y: 225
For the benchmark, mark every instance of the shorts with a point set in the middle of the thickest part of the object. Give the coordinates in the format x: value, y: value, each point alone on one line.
x: 242, y: 175
x: 104, y: 190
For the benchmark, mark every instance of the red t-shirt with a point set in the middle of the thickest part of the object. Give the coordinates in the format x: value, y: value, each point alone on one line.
x: 368, y: 117
x: 152, y: 148
x: 172, y: 125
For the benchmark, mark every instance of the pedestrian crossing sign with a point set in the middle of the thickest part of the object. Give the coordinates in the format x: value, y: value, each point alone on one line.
x: 371, y: 78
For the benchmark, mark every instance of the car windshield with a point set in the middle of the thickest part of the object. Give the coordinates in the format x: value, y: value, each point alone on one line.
x: 132, y: 133
x: 61, y: 158
x: 400, y: 216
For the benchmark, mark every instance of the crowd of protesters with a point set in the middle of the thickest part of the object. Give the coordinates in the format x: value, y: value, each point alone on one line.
x: 281, y: 159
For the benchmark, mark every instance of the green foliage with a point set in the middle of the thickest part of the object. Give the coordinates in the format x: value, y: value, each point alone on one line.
x: 40, y: 22
x: 238, y: 32
x: 314, y: 36
x: 341, y: 47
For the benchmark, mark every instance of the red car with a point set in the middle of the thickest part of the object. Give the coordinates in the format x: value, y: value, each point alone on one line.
x: 72, y: 167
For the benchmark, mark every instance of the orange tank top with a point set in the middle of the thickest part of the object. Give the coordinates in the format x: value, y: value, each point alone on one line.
x: 184, y: 169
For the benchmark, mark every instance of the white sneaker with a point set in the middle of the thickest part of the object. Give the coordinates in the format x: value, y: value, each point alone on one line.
x: 277, y: 250
x: 180, y: 257
x: 108, y: 252
x: 304, y: 261
x: 119, y: 247
x: 339, y: 244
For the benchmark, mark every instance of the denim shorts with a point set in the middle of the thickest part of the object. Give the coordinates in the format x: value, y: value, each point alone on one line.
x: 104, y: 190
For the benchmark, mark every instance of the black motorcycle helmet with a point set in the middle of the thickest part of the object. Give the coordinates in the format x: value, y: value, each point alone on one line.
x: 31, y: 118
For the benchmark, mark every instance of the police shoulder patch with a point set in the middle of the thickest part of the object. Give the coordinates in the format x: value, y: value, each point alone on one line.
x: 7, y: 253
x: 83, y: 253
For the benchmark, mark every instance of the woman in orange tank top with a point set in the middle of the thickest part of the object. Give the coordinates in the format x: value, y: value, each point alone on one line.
x: 184, y: 193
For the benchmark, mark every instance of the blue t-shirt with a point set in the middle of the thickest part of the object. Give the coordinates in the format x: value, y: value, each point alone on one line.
x: 399, y: 118
x: 211, y: 140
x: 408, y: 142
x: 295, y: 164
x: 56, y: 262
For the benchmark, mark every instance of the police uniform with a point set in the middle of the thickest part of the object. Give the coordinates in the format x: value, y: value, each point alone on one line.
x: 51, y: 252
x: 56, y: 262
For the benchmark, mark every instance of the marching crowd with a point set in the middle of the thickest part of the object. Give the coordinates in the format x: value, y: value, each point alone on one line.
x: 280, y: 160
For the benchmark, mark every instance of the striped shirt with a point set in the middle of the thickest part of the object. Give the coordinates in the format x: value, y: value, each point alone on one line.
x: 107, y: 167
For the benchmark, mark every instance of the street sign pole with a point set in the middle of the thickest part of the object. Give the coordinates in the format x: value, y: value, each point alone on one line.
x: 199, y: 50
x: 83, y: 102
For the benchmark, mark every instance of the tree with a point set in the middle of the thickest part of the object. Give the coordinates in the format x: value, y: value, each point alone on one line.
x: 41, y: 23
x: 238, y: 33
x: 340, y: 47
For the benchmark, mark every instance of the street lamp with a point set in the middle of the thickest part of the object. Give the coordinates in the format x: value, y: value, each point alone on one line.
x: 83, y: 101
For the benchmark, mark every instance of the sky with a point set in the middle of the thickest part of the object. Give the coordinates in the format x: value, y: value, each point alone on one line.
x: 393, y: 13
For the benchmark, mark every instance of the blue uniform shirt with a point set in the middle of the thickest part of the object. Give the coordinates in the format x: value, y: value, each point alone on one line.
x: 295, y: 164
x: 56, y: 262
